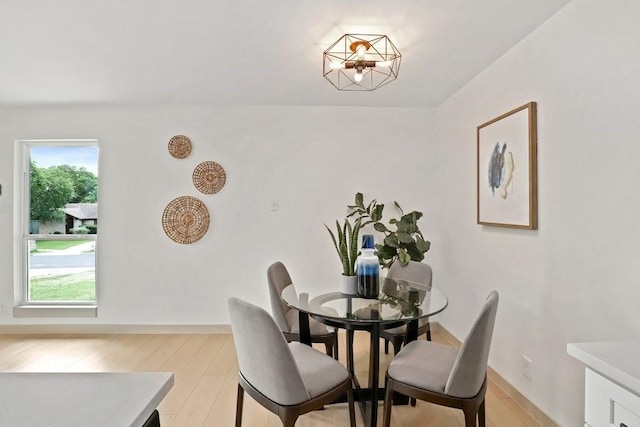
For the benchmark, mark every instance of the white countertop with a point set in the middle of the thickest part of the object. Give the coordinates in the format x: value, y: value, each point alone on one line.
x: 81, y: 399
x: 617, y: 360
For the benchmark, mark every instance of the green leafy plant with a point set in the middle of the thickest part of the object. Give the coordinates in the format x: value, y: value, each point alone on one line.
x: 405, y: 307
x: 367, y: 214
x: 403, y: 242
x: 347, y: 235
x: 80, y: 230
x: 345, y: 241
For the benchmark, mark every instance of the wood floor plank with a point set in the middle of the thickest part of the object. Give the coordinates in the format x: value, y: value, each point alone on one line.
x: 500, y: 414
x: 493, y: 387
x: 149, y: 344
x: 166, y: 420
x: 159, y: 357
x: 182, y: 385
x: 193, y: 344
x: 199, y: 402
x: 223, y: 410
x: 225, y: 358
x: 61, y: 354
x: 191, y: 370
x: 107, y: 354
x: 205, y: 378
x: 433, y: 415
x: 525, y: 417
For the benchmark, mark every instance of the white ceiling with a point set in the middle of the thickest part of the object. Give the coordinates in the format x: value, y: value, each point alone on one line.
x: 234, y: 52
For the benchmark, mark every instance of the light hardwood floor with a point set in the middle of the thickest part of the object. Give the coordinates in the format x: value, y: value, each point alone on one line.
x: 205, y: 371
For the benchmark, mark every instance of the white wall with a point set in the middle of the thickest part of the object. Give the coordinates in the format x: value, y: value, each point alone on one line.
x: 313, y: 160
x: 574, y: 279
x: 577, y: 278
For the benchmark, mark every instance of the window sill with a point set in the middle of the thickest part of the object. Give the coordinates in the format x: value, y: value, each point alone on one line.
x: 55, y: 311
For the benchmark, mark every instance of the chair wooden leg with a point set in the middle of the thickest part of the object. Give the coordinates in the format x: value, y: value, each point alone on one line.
x: 288, y: 417
x: 335, y: 345
x: 239, y: 402
x: 470, y: 416
x: 429, y: 334
x: 397, y: 344
x: 386, y: 346
x: 328, y: 348
x: 388, y: 400
x: 482, y: 415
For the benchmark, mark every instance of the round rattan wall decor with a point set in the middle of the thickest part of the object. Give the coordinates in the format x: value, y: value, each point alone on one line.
x: 185, y: 219
x: 209, y: 177
x: 180, y: 146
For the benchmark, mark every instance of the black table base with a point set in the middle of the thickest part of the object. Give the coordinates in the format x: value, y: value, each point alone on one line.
x: 367, y: 397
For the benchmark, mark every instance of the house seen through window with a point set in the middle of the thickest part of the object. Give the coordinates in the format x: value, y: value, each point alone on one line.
x: 60, y: 226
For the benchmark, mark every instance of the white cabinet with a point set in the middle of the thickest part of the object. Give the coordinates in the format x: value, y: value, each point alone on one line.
x: 612, y: 382
x: 608, y: 404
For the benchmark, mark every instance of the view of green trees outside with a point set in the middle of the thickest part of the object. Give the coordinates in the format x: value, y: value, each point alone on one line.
x: 61, y: 268
x: 55, y: 186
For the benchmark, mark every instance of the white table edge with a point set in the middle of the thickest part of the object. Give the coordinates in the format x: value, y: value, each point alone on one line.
x: 616, y: 360
x: 155, y: 401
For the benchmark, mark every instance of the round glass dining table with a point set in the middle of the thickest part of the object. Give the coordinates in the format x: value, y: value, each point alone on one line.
x: 399, y: 302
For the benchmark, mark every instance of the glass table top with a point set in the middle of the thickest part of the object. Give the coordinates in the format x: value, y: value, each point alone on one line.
x: 397, y: 300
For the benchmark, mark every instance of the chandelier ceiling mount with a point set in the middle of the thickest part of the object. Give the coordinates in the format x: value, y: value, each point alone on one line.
x: 372, y: 61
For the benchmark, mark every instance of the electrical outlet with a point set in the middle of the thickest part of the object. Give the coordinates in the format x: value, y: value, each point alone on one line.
x: 527, y: 368
x: 275, y: 205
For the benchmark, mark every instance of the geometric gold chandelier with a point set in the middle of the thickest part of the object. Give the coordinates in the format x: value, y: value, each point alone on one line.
x: 361, y: 62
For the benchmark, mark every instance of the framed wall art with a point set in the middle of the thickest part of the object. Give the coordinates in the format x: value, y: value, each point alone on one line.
x: 507, y: 170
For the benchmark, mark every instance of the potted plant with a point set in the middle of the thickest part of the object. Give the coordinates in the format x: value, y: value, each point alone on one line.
x: 345, y: 241
x: 403, y: 240
x: 347, y: 237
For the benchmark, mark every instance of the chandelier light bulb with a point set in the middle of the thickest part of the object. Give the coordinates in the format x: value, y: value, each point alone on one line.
x: 358, y: 76
x: 361, y: 51
x: 336, y: 65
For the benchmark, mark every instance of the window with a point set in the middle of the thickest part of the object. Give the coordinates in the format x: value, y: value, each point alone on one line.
x: 59, y: 225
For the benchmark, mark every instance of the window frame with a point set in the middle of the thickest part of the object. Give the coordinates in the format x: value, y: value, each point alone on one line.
x: 23, y: 307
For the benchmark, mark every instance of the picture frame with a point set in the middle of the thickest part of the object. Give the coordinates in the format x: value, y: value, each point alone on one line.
x: 507, y: 170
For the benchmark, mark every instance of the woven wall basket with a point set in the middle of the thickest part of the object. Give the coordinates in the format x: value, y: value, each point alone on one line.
x: 209, y: 177
x: 180, y: 146
x: 185, y: 219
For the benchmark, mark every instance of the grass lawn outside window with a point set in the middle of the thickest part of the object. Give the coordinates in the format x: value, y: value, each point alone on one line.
x: 60, y: 284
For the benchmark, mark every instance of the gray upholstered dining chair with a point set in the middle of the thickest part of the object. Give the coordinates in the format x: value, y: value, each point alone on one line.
x: 444, y: 375
x: 414, y: 272
x: 288, y: 379
x: 287, y: 318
